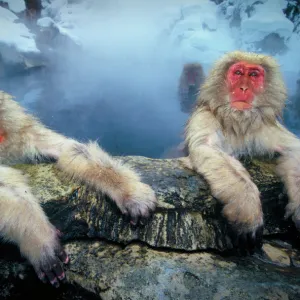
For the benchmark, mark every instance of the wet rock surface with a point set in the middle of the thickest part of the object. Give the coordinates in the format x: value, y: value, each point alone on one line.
x: 182, y: 252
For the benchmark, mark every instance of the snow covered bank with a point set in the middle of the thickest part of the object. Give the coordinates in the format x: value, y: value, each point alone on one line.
x: 17, y: 44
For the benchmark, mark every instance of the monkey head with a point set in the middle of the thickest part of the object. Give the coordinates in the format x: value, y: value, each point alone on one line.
x: 193, y: 74
x: 244, y: 81
x: 244, y: 84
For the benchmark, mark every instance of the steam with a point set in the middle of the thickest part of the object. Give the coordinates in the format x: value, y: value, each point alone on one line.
x: 122, y: 86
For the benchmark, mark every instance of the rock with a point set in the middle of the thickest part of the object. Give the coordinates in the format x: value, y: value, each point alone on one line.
x: 51, y: 38
x: 101, y: 270
x: 276, y: 255
x: 187, y: 216
x: 162, y: 259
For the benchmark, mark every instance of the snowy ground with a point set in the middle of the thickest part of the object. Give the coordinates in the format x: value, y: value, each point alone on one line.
x: 15, y: 39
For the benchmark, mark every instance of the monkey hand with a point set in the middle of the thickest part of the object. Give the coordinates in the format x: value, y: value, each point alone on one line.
x: 246, y: 219
x: 139, y: 203
x: 47, y: 258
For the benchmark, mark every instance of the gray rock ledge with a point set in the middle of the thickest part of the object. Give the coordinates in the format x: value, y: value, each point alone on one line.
x: 177, y: 254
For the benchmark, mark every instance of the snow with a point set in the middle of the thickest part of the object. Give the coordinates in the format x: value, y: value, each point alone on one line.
x: 267, y: 19
x: 16, y: 6
x: 201, y: 35
x: 14, y: 37
x: 45, y: 22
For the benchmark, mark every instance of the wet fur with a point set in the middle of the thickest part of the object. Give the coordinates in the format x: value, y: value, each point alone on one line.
x: 217, y: 135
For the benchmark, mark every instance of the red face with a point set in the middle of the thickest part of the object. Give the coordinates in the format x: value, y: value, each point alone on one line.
x: 244, y: 81
x: 191, y: 77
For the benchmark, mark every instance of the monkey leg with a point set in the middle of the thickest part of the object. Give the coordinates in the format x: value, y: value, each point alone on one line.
x: 231, y: 184
x: 23, y: 222
x: 89, y: 164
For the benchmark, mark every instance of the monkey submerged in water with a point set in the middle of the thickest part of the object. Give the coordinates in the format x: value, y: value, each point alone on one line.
x: 22, y: 219
x: 237, y: 114
x: 191, y: 78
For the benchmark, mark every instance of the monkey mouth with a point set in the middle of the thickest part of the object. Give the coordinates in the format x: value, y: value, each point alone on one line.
x: 241, y: 104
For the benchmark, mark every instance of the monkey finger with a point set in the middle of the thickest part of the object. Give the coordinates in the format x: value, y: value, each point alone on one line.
x: 134, y: 220
x: 52, y: 278
x: 42, y: 276
x: 59, y: 233
x: 59, y: 271
x: 143, y: 221
x: 62, y: 255
x: 259, y: 237
x: 251, y: 242
x: 243, y: 244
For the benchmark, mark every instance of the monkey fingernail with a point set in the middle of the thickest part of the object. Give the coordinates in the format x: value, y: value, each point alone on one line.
x: 67, y: 260
x: 62, y: 276
x: 59, y: 233
x: 133, y: 223
x: 42, y: 277
x: 55, y: 283
x: 63, y: 256
x: 134, y: 220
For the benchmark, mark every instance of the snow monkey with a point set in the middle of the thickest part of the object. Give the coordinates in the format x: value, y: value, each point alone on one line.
x: 237, y: 114
x: 22, y: 219
x: 191, y: 78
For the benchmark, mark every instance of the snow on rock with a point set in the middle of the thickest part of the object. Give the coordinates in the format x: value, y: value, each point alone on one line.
x: 200, y: 34
x: 53, y: 7
x: 267, y: 18
x: 205, y: 31
x: 45, y: 22
x: 55, y: 17
x: 16, y: 6
x: 17, y: 44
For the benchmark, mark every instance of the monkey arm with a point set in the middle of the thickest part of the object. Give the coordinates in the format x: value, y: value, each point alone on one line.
x: 23, y: 222
x: 288, y: 168
x: 228, y: 179
x: 27, y: 137
x: 88, y: 163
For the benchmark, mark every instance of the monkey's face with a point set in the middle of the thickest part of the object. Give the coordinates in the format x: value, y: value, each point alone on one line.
x: 244, y: 81
x: 193, y: 76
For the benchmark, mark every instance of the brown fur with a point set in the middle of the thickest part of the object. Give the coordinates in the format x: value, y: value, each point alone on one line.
x: 21, y: 218
x: 217, y: 134
x: 187, y: 94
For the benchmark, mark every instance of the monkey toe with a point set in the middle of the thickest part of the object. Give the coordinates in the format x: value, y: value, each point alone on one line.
x: 247, y: 242
x: 138, y: 221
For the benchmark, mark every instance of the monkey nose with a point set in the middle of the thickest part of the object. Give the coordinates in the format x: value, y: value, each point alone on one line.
x: 244, y: 88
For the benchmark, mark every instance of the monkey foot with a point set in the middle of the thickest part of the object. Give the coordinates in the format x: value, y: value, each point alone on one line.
x: 140, y: 205
x: 247, y: 242
x: 53, y: 271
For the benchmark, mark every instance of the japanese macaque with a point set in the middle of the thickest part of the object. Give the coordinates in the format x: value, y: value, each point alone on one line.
x: 237, y: 114
x: 22, y: 219
x: 191, y: 78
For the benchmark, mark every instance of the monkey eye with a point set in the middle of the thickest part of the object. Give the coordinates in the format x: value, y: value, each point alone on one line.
x: 254, y: 74
x: 238, y: 72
